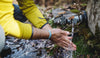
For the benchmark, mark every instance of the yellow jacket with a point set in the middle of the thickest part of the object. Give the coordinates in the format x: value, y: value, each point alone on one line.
x: 15, y: 28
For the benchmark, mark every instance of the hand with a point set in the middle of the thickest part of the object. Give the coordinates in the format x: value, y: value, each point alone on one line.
x: 62, y: 39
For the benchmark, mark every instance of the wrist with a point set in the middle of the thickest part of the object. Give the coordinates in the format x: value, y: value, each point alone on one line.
x: 40, y: 34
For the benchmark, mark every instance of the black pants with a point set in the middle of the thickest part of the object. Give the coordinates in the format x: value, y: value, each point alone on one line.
x: 18, y: 15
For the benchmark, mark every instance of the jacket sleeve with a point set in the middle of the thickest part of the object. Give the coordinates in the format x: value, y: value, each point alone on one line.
x: 32, y: 13
x: 11, y: 26
x: 18, y: 29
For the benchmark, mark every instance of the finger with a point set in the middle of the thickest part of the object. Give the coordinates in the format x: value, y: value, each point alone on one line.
x: 74, y: 45
x: 69, y: 43
x: 66, y: 40
x: 70, y: 49
x: 63, y: 42
x: 65, y: 32
x: 69, y: 37
x: 61, y: 45
x: 68, y: 33
x: 67, y: 46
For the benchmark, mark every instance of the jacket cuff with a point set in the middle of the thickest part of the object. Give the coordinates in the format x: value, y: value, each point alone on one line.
x: 44, y: 25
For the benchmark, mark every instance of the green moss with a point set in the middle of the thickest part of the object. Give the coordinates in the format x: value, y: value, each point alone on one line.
x: 52, y: 23
x: 83, y: 5
x: 81, y: 41
x: 68, y: 29
x: 75, y: 11
x: 82, y: 47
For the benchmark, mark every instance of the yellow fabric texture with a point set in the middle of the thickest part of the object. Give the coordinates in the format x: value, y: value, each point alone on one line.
x: 10, y: 25
x: 32, y: 13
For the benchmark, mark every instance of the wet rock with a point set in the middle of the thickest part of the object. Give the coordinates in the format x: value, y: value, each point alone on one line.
x: 63, y: 18
x: 27, y: 48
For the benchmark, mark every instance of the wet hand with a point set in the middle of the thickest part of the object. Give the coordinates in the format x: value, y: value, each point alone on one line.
x: 62, y: 39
